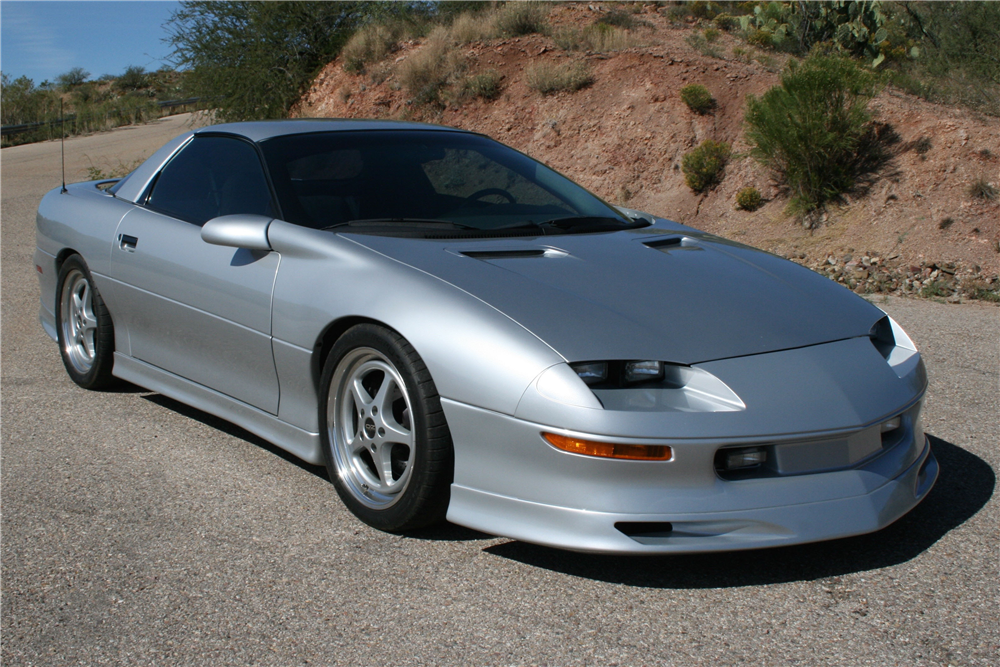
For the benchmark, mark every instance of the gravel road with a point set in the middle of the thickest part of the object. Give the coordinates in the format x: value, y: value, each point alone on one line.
x: 138, y: 531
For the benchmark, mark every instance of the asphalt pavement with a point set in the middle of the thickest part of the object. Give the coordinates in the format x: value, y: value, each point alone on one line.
x: 138, y: 531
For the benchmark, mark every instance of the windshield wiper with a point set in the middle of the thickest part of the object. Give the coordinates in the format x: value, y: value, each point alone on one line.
x: 588, y: 223
x: 402, y: 222
x: 540, y: 227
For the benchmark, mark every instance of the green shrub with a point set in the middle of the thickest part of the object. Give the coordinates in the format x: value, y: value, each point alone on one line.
x: 697, y: 98
x: 703, y: 166
x: 697, y: 41
x: 749, y: 199
x: 521, y: 18
x: 548, y: 79
x: 485, y: 85
x: 725, y: 22
x: 937, y: 288
x: 814, y: 130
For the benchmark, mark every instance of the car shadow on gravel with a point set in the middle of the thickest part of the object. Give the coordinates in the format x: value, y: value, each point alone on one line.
x: 446, y: 532
x: 232, y: 429
x: 965, y: 484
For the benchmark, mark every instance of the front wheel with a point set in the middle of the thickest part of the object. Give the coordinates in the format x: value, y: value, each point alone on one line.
x: 83, y: 327
x: 387, y: 445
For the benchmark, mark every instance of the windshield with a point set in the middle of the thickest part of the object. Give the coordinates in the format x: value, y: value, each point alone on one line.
x: 427, y: 183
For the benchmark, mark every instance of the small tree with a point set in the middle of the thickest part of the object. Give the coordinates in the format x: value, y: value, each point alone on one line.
x: 134, y: 78
x: 255, y: 59
x: 73, y: 78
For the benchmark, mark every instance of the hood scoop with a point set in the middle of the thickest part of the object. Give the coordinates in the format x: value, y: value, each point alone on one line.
x: 673, y: 243
x: 519, y: 253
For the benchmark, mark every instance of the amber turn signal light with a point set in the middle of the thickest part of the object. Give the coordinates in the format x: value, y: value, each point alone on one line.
x: 609, y: 450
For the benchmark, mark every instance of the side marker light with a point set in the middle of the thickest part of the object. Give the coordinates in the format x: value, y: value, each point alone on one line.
x: 609, y: 450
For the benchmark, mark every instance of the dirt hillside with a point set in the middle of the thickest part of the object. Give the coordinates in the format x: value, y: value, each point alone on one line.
x: 916, y: 229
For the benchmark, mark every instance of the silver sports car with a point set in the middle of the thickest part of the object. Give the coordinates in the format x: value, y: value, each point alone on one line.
x: 458, y: 332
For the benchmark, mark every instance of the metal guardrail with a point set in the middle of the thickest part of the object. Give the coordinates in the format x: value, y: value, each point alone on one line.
x: 7, y: 130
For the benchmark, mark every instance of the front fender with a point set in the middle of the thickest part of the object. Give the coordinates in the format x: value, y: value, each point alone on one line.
x: 475, y: 354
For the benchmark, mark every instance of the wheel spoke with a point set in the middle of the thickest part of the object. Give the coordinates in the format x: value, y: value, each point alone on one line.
x: 384, y: 463
x: 361, y: 397
x: 395, y: 432
x: 382, y: 398
x: 87, y: 339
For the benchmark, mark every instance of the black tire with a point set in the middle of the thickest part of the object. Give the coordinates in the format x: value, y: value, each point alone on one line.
x: 84, y: 328
x: 390, y: 480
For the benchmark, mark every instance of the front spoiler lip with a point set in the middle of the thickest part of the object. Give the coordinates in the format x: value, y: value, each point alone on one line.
x: 589, y: 531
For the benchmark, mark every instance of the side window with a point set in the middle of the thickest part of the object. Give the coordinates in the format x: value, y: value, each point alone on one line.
x: 212, y: 176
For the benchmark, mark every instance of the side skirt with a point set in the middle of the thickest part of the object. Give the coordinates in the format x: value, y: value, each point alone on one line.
x: 302, y: 444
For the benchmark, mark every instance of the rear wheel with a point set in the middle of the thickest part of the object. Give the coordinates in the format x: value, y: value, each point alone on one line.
x: 83, y: 327
x: 385, y: 439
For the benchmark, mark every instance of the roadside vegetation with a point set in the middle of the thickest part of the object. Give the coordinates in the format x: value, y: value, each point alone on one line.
x: 549, y: 78
x: 87, y: 105
x: 704, y: 165
x: 945, y: 52
x: 697, y: 98
x: 815, y: 130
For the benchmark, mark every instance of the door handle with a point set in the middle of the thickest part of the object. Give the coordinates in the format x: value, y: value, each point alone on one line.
x: 127, y: 243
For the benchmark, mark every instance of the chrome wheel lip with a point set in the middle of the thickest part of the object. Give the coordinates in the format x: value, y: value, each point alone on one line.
x: 78, y: 324
x: 358, y: 422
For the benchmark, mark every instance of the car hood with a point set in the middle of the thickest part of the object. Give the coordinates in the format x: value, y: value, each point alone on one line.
x: 667, y: 293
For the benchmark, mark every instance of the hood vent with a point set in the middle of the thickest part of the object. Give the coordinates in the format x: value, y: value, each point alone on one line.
x: 672, y: 243
x: 524, y: 253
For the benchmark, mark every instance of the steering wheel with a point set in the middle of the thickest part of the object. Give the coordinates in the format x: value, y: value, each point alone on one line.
x: 485, y: 192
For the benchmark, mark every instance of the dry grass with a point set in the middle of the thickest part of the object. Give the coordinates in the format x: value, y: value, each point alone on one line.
x: 426, y: 72
x: 522, y: 18
x: 477, y: 27
x: 548, y: 78
x: 485, y: 85
x: 598, y: 38
x: 983, y: 189
x: 370, y: 44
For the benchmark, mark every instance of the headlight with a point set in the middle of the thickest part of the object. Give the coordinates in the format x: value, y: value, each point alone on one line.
x: 592, y: 373
x: 643, y: 371
x: 618, y: 373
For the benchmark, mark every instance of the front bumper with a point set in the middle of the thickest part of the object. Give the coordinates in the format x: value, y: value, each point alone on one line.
x: 507, y: 484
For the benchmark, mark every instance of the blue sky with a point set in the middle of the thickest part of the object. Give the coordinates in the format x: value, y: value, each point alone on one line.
x: 41, y: 39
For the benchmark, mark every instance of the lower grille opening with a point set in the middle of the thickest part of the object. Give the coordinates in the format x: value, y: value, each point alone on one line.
x: 645, y: 528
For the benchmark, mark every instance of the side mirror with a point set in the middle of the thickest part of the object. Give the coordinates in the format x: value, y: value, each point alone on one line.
x: 238, y: 231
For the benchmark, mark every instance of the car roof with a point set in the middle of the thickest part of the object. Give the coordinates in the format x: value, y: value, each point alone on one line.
x: 266, y: 129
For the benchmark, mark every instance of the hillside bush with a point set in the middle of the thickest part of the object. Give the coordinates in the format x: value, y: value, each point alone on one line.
x: 814, y: 129
x: 485, y: 85
x: 522, y: 18
x: 749, y: 199
x: 548, y: 78
x: 983, y: 189
x: 473, y: 27
x: 598, y: 38
x: 697, y: 98
x: 426, y: 72
x: 617, y: 18
x: 369, y: 44
x: 704, y: 165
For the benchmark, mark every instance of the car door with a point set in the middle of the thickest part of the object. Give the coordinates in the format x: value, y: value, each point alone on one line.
x: 197, y: 310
